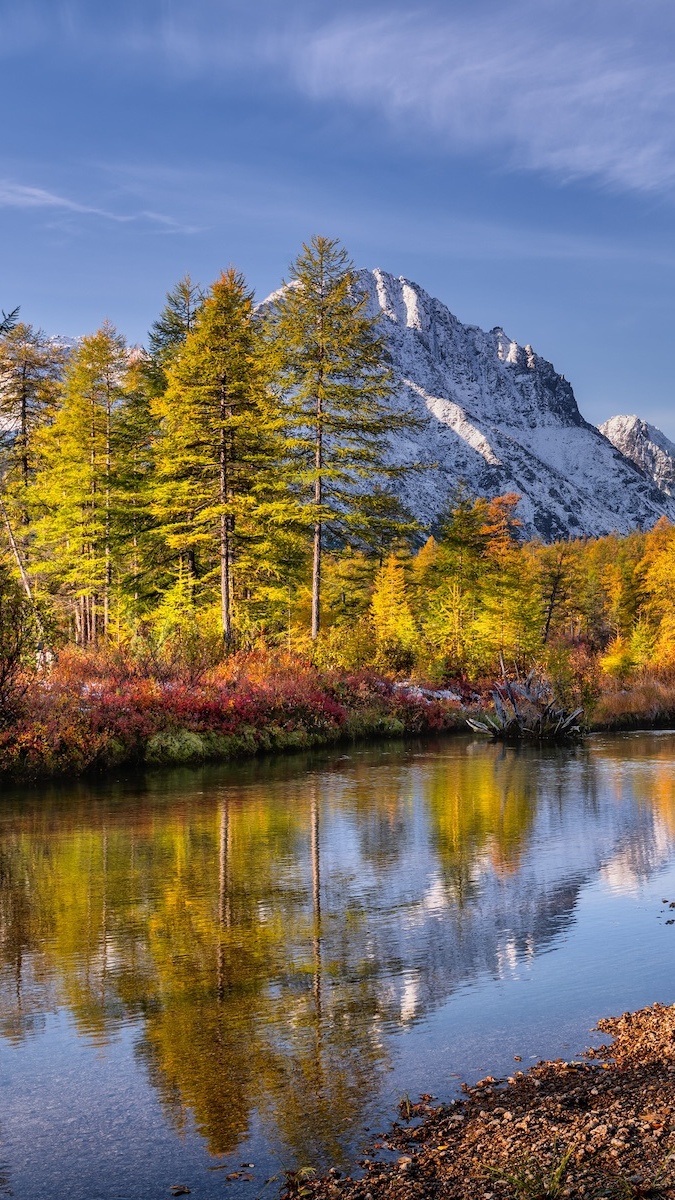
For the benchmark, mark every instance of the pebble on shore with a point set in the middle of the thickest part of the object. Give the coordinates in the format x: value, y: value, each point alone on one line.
x: 600, y: 1127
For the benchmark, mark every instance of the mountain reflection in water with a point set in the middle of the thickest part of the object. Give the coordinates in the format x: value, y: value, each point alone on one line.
x: 268, y: 932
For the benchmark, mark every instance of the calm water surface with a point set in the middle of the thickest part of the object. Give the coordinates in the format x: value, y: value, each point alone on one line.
x: 204, y: 969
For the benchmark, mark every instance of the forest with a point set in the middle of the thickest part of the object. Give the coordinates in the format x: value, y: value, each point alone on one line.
x: 216, y: 510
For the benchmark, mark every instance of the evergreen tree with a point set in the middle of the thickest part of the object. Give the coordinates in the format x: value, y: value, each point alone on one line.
x: 168, y: 333
x: 333, y: 386
x: 213, y: 447
x: 463, y: 537
x: 449, y: 616
x: 510, y: 620
x: 137, y: 545
x: 557, y: 568
x: 8, y: 320
x: 31, y: 366
x: 347, y: 584
x: 393, y: 621
x: 75, y: 534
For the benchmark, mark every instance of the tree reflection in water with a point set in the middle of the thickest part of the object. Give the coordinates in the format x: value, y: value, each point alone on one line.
x: 265, y: 930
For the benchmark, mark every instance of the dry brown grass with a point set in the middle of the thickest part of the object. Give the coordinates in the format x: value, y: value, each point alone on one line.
x: 648, y: 700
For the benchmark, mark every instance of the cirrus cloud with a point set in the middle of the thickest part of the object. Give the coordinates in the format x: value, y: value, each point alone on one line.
x: 21, y: 196
x: 585, y: 99
x: 578, y: 89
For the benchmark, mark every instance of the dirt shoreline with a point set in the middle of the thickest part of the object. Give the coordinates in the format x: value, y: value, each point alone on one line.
x: 599, y: 1126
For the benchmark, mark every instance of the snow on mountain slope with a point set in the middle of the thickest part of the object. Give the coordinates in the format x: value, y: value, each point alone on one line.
x: 67, y: 344
x: 499, y: 418
x: 646, y: 446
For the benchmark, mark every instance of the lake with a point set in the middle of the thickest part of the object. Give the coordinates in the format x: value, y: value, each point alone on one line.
x: 202, y: 969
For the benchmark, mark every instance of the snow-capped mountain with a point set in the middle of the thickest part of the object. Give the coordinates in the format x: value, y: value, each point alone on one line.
x: 646, y: 446
x: 67, y: 344
x: 499, y: 418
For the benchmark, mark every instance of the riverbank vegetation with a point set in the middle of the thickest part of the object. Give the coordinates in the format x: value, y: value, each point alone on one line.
x: 204, y: 553
x: 99, y: 711
x: 171, y: 695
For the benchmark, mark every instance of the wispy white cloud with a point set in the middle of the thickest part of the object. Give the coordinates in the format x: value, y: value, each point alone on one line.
x: 586, y: 100
x: 16, y: 195
x: 579, y: 89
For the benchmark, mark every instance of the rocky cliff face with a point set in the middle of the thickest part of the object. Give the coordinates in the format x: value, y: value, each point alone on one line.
x: 500, y: 418
x: 646, y: 446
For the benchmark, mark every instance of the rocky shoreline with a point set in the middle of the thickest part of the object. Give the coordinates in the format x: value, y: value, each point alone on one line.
x: 600, y: 1126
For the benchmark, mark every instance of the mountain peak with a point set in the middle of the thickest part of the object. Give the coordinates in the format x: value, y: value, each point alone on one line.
x: 500, y: 418
x: 646, y: 446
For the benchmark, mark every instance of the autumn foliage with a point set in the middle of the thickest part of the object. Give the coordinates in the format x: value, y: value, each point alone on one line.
x: 88, y: 715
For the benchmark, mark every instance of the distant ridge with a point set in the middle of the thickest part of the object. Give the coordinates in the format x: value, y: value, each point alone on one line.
x: 646, y: 446
x: 500, y: 418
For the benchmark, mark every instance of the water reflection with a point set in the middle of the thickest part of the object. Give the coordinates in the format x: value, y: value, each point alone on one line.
x: 267, y: 931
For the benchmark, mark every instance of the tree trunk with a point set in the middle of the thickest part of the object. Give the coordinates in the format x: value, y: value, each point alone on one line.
x: 316, y: 572
x: 224, y: 910
x: 316, y: 897
x: 24, y: 428
x: 225, y: 566
x: 15, y: 552
x: 108, y: 466
x: 318, y: 531
x: 550, y: 608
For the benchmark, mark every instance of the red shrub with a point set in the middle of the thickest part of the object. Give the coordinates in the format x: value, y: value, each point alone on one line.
x: 86, y: 710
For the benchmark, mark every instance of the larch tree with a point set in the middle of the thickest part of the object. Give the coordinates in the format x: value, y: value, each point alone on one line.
x: 8, y: 320
x: 212, y: 445
x: 74, y: 488
x: 510, y: 619
x: 137, y: 547
x: 333, y: 386
x: 168, y: 333
x: 31, y: 367
x: 396, y: 634
x: 657, y: 572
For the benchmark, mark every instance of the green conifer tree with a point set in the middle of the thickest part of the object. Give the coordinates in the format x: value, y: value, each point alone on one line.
x: 137, y: 546
x: 396, y: 633
x: 8, y: 320
x: 448, y: 612
x: 168, y: 333
x: 74, y: 488
x: 510, y: 620
x: 213, y: 446
x: 333, y: 384
x: 31, y: 367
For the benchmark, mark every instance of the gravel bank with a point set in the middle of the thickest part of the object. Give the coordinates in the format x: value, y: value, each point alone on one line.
x: 600, y: 1127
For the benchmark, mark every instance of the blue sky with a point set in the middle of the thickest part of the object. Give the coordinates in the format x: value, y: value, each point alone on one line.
x: 517, y: 159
